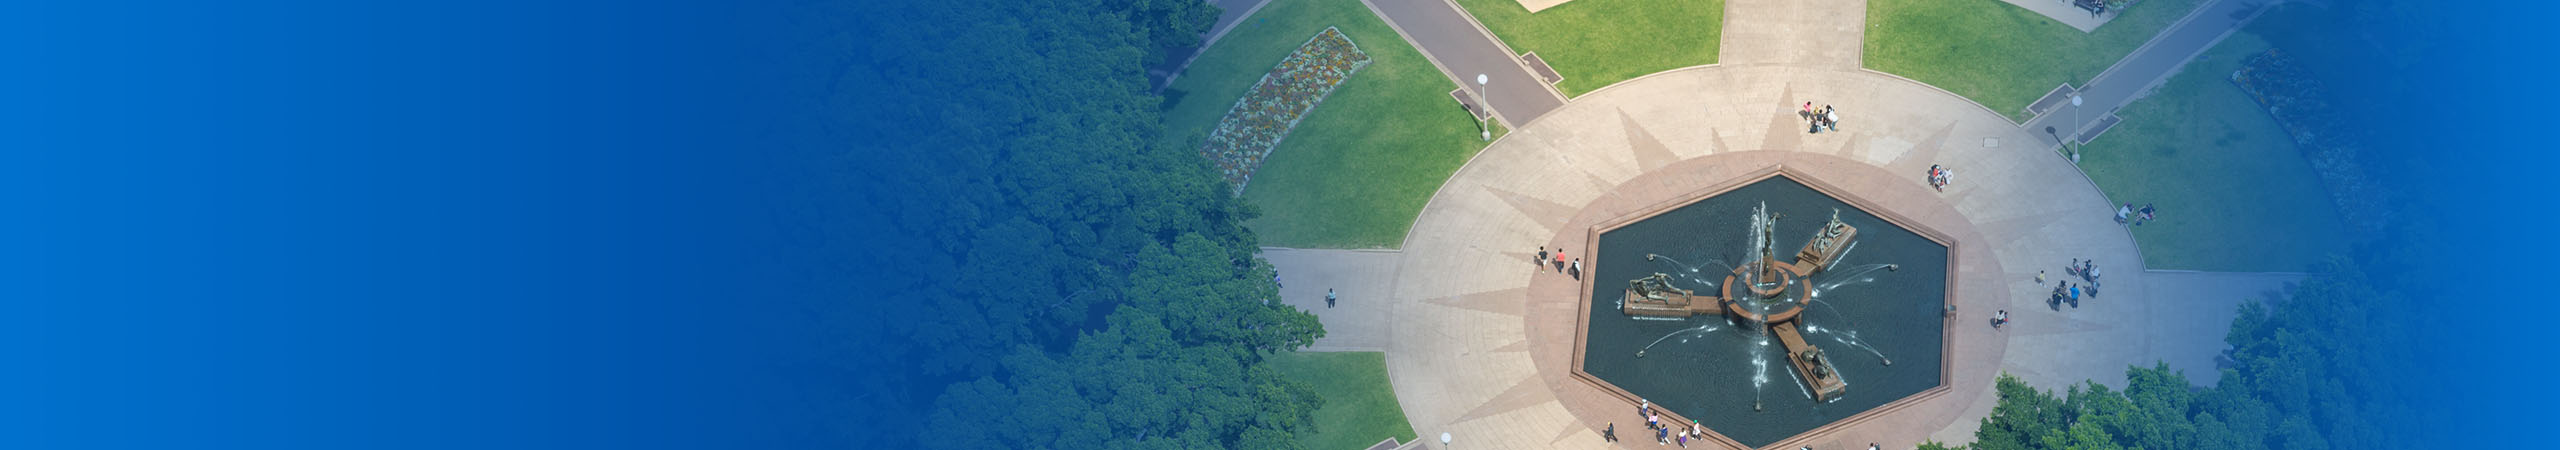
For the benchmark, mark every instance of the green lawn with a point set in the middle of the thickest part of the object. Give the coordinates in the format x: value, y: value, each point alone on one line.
x: 2002, y: 56
x: 1595, y: 43
x: 1359, y: 408
x: 1355, y: 171
x: 2234, y: 195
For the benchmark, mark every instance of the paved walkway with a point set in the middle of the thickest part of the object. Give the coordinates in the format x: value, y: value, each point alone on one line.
x: 1828, y: 34
x: 2153, y: 63
x: 1461, y: 48
x: 1360, y: 278
x: 2211, y: 300
x: 2063, y: 11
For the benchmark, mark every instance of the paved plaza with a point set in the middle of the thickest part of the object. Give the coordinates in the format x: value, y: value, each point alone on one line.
x: 1478, y: 340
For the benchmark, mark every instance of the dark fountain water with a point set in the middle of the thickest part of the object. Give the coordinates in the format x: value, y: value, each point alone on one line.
x: 1881, y: 300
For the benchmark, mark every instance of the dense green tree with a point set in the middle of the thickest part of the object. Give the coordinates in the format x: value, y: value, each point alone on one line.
x: 1057, y: 280
x: 1169, y: 24
x: 1018, y: 228
x: 1132, y: 385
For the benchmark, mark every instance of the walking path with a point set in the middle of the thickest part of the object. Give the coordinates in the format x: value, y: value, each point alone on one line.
x: 2063, y: 11
x: 1828, y: 34
x: 2149, y: 65
x: 1479, y: 342
x: 1462, y: 48
x: 1359, y: 278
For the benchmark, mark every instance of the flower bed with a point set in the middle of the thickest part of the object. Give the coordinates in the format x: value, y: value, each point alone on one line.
x: 2334, y: 146
x: 1266, y: 114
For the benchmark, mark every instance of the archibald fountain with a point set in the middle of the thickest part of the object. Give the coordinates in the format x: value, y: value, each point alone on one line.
x: 1719, y: 289
x: 1771, y: 299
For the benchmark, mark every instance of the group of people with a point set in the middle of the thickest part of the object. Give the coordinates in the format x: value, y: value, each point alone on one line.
x: 2127, y: 214
x: 2087, y: 270
x: 1574, y: 269
x: 1940, y: 176
x: 1662, y: 433
x: 1825, y: 118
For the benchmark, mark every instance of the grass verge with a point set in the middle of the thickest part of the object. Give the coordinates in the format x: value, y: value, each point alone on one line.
x: 1359, y: 408
x: 1358, y: 168
x: 2234, y: 193
x: 1596, y: 43
x: 2002, y: 56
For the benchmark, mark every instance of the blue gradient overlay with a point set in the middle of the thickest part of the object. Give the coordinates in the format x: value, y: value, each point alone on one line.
x: 590, y: 225
x: 407, y: 224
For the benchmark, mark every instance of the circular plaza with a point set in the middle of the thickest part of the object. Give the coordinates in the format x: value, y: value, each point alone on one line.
x: 1482, y: 340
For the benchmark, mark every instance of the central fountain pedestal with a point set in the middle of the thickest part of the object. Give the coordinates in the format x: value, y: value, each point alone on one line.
x: 1778, y: 306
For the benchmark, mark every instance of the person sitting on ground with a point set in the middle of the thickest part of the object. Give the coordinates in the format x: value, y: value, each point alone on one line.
x: 2000, y: 318
x: 2146, y: 214
x: 2124, y: 213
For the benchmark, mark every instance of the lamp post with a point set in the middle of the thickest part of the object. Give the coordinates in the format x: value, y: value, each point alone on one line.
x: 2075, y: 128
x: 1485, y: 123
x: 1444, y: 439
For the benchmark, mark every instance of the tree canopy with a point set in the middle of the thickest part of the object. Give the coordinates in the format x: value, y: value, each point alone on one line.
x: 1057, y: 279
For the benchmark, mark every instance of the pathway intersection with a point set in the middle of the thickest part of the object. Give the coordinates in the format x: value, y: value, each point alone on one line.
x: 1478, y: 341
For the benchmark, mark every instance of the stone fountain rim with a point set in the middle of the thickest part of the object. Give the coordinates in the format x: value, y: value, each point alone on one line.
x: 1946, y: 375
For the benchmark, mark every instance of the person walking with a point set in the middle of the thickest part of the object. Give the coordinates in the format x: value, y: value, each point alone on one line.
x: 1661, y: 436
x: 2039, y: 277
x: 1610, y: 434
x: 1542, y: 258
x: 1577, y: 268
x: 1328, y: 298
